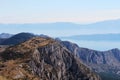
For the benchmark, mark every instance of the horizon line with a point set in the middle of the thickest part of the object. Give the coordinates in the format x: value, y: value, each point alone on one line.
x: 87, y: 23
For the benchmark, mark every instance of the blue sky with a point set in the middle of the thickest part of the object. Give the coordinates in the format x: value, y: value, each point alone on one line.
x: 47, y: 11
x: 51, y: 11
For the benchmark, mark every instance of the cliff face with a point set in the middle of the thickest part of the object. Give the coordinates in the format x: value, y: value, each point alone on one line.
x: 100, y: 61
x: 42, y: 59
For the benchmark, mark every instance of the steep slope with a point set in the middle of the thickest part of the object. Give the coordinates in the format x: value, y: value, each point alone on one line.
x: 99, y: 61
x: 18, y: 38
x: 42, y: 59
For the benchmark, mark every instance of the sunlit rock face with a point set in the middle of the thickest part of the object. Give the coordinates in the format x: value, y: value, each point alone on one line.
x: 42, y: 59
x: 99, y: 61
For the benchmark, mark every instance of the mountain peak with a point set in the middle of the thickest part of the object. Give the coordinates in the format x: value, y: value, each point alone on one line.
x: 33, y: 43
x: 43, y: 58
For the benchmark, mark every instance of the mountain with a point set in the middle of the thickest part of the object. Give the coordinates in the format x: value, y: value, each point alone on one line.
x: 18, y: 38
x: 5, y: 35
x: 102, y: 62
x: 42, y: 59
x: 95, y: 37
x: 65, y: 28
x: 105, y: 63
x: 110, y: 57
x: 1, y: 40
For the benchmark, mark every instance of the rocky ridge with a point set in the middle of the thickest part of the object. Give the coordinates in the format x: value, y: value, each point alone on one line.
x: 99, y: 61
x: 42, y: 59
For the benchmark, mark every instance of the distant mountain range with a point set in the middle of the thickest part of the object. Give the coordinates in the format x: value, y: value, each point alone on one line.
x: 64, y: 28
x: 95, y: 37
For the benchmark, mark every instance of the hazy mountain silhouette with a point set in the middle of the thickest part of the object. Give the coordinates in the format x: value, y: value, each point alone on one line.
x: 65, y: 29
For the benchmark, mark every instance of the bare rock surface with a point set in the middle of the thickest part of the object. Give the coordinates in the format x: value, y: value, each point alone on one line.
x: 99, y: 61
x: 42, y: 59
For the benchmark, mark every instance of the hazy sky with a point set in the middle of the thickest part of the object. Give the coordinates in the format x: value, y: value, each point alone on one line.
x: 44, y: 11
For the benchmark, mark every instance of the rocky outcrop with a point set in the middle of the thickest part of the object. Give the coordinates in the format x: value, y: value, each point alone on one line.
x: 43, y: 59
x: 99, y: 61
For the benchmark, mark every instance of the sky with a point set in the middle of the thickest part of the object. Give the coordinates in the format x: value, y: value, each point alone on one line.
x: 80, y: 12
x: 48, y: 11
